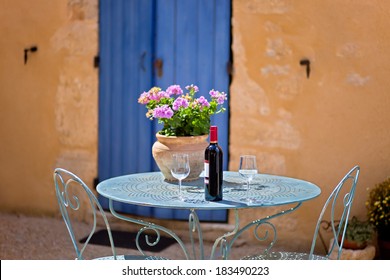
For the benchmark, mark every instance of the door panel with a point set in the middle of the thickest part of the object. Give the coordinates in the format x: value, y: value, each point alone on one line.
x: 126, y: 53
x: 192, y: 39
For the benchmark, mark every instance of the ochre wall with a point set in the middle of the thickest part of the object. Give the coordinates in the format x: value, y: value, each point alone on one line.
x: 48, y: 113
x: 314, y: 128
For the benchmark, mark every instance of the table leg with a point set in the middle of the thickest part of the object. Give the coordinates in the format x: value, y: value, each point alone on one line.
x: 223, y: 239
x: 194, y: 225
x: 227, y: 245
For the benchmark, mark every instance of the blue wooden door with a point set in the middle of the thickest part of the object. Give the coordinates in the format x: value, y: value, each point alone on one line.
x: 145, y: 43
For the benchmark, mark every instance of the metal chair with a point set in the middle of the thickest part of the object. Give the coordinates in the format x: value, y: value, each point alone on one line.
x: 70, y: 190
x: 338, y: 225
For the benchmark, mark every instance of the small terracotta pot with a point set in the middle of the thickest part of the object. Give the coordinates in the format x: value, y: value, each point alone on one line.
x: 353, y: 245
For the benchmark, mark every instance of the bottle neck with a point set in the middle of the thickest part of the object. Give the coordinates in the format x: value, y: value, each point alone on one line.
x: 213, y: 134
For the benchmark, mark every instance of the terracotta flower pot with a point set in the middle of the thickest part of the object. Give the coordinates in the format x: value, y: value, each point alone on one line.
x: 194, y: 146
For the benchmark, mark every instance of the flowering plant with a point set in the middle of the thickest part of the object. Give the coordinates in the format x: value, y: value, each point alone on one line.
x: 378, y: 206
x: 181, y: 113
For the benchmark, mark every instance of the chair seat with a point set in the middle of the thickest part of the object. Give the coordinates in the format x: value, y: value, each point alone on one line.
x: 132, y: 257
x: 284, y: 256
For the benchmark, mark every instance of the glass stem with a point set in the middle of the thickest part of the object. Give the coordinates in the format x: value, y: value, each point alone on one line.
x: 180, y: 189
x: 247, y: 190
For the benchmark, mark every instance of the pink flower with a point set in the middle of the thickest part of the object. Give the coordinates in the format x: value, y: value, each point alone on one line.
x: 202, y: 101
x: 192, y: 87
x: 163, y: 112
x: 174, y: 90
x: 180, y: 102
x: 219, y: 96
x: 144, y: 98
x: 158, y: 95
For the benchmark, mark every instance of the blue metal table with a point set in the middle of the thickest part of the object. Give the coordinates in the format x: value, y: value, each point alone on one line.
x: 150, y: 189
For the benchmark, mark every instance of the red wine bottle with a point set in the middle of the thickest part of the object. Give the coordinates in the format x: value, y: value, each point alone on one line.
x: 213, y: 163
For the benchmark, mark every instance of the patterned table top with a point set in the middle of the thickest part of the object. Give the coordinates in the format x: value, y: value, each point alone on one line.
x: 151, y: 189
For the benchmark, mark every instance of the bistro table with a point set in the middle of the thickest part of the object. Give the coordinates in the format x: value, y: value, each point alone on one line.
x: 151, y: 189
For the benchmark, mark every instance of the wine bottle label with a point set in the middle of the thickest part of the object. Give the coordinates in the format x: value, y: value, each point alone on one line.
x: 206, y: 171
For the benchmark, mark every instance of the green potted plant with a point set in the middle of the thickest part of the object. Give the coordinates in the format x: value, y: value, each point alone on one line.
x: 182, y: 114
x: 186, y: 123
x: 378, y: 207
x: 357, y: 234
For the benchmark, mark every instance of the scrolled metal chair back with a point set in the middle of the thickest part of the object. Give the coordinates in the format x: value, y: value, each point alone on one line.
x: 68, y: 189
x: 338, y: 225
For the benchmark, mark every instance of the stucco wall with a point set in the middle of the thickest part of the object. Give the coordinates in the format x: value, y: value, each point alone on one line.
x: 314, y: 128
x: 48, y: 113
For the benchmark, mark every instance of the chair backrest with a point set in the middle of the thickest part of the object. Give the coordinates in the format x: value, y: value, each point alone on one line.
x: 338, y: 207
x: 69, y: 188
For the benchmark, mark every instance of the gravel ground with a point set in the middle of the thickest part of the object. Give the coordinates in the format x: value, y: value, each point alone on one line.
x: 46, y: 238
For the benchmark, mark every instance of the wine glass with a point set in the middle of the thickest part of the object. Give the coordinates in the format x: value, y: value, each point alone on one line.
x: 248, y: 170
x: 180, y: 169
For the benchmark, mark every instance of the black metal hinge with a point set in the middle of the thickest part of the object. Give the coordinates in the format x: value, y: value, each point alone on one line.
x: 29, y: 50
x: 96, y: 61
x: 306, y: 62
x: 229, y: 68
x: 96, y: 181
